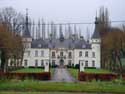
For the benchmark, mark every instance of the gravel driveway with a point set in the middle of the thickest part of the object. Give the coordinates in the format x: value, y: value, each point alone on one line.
x: 62, y: 75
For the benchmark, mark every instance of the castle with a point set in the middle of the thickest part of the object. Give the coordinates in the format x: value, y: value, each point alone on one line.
x: 61, y: 51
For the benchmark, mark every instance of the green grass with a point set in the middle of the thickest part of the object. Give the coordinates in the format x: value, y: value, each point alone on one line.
x: 39, y: 93
x: 102, y: 71
x: 74, y: 72
x: 39, y: 86
x: 29, y: 70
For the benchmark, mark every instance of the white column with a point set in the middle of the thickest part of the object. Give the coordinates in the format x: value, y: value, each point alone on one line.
x: 82, y: 66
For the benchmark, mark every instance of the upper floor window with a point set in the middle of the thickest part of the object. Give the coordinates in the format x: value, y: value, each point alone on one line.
x: 86, y: 54
x: 42, y: 53
x: 53, y: 54
x: 36, y: 53
x: 80, y: 53
x: 70, y: 54
x: 93, y: 54
x: 61, y: 53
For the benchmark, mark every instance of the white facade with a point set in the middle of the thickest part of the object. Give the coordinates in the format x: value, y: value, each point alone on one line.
x: 36, y: 57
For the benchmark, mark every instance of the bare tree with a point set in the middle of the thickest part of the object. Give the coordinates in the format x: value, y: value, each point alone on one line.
x: 13, y: 19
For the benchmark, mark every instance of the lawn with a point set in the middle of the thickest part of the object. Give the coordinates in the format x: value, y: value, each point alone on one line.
x: 29, y: 70
x: 39, y: 86
x: 40, y: 93
x: 74, y: 72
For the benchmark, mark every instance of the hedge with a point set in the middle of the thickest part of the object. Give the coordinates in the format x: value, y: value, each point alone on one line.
x: 91, y: 76
x: 22, y: 76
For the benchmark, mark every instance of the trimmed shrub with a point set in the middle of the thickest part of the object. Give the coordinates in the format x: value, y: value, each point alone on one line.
x: 22, y: 76
x: 102, y: 77
x: 76, y: 66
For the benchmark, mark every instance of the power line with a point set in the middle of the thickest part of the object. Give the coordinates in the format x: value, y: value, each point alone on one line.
x: 80, y: 23
x: 73, y: 23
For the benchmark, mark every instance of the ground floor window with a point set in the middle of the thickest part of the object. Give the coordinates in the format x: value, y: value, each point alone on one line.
x: 42, y: 62
x: 25, y: 62
x: 36, y: 63
x: 53, y: 62
x: 86, y: 63
x: 70, y: 62
x: 93, y: 63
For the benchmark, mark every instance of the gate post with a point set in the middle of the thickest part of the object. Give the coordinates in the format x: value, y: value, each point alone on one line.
x: 46, y: 66
x: 82, y: 66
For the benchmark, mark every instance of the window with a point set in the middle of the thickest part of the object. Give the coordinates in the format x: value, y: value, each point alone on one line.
x: 53, y: 62
x: 70, y: 54
x: 86, y: 54
x: 42, y: 53
x: 86, y: 63
x: 93, y: 54
x: 28, y: 53
x: 80, y: 53
x: 25, y: 62
x: 11, y: 63
x: 93, y: 63
x: 53, y: 54
x: 42, y: 63
x: 70, y: 63
x: 36, y: 63
x: 61, y: 53
x: 36, y: 53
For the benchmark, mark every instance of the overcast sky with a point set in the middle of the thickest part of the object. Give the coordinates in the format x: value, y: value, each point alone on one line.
x: 67, y: 10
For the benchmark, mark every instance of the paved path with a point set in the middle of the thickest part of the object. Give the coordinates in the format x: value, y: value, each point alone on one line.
x: 62, y: 75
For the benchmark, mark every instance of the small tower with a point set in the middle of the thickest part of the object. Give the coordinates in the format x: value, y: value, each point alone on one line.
x: 96, y: 42
x: 26, y: 34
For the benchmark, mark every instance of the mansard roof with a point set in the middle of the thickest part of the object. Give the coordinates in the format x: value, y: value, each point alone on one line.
x: 56, y: 43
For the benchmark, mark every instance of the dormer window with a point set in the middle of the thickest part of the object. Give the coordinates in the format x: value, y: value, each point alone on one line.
x: 39, y: 45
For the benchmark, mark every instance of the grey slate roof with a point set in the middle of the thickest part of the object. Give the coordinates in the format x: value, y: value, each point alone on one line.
x: 96, y: 31
x: 26, y: 32
x: 56, y: 43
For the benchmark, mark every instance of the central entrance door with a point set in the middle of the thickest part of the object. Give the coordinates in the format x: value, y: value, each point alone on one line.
x: 61, y: 63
